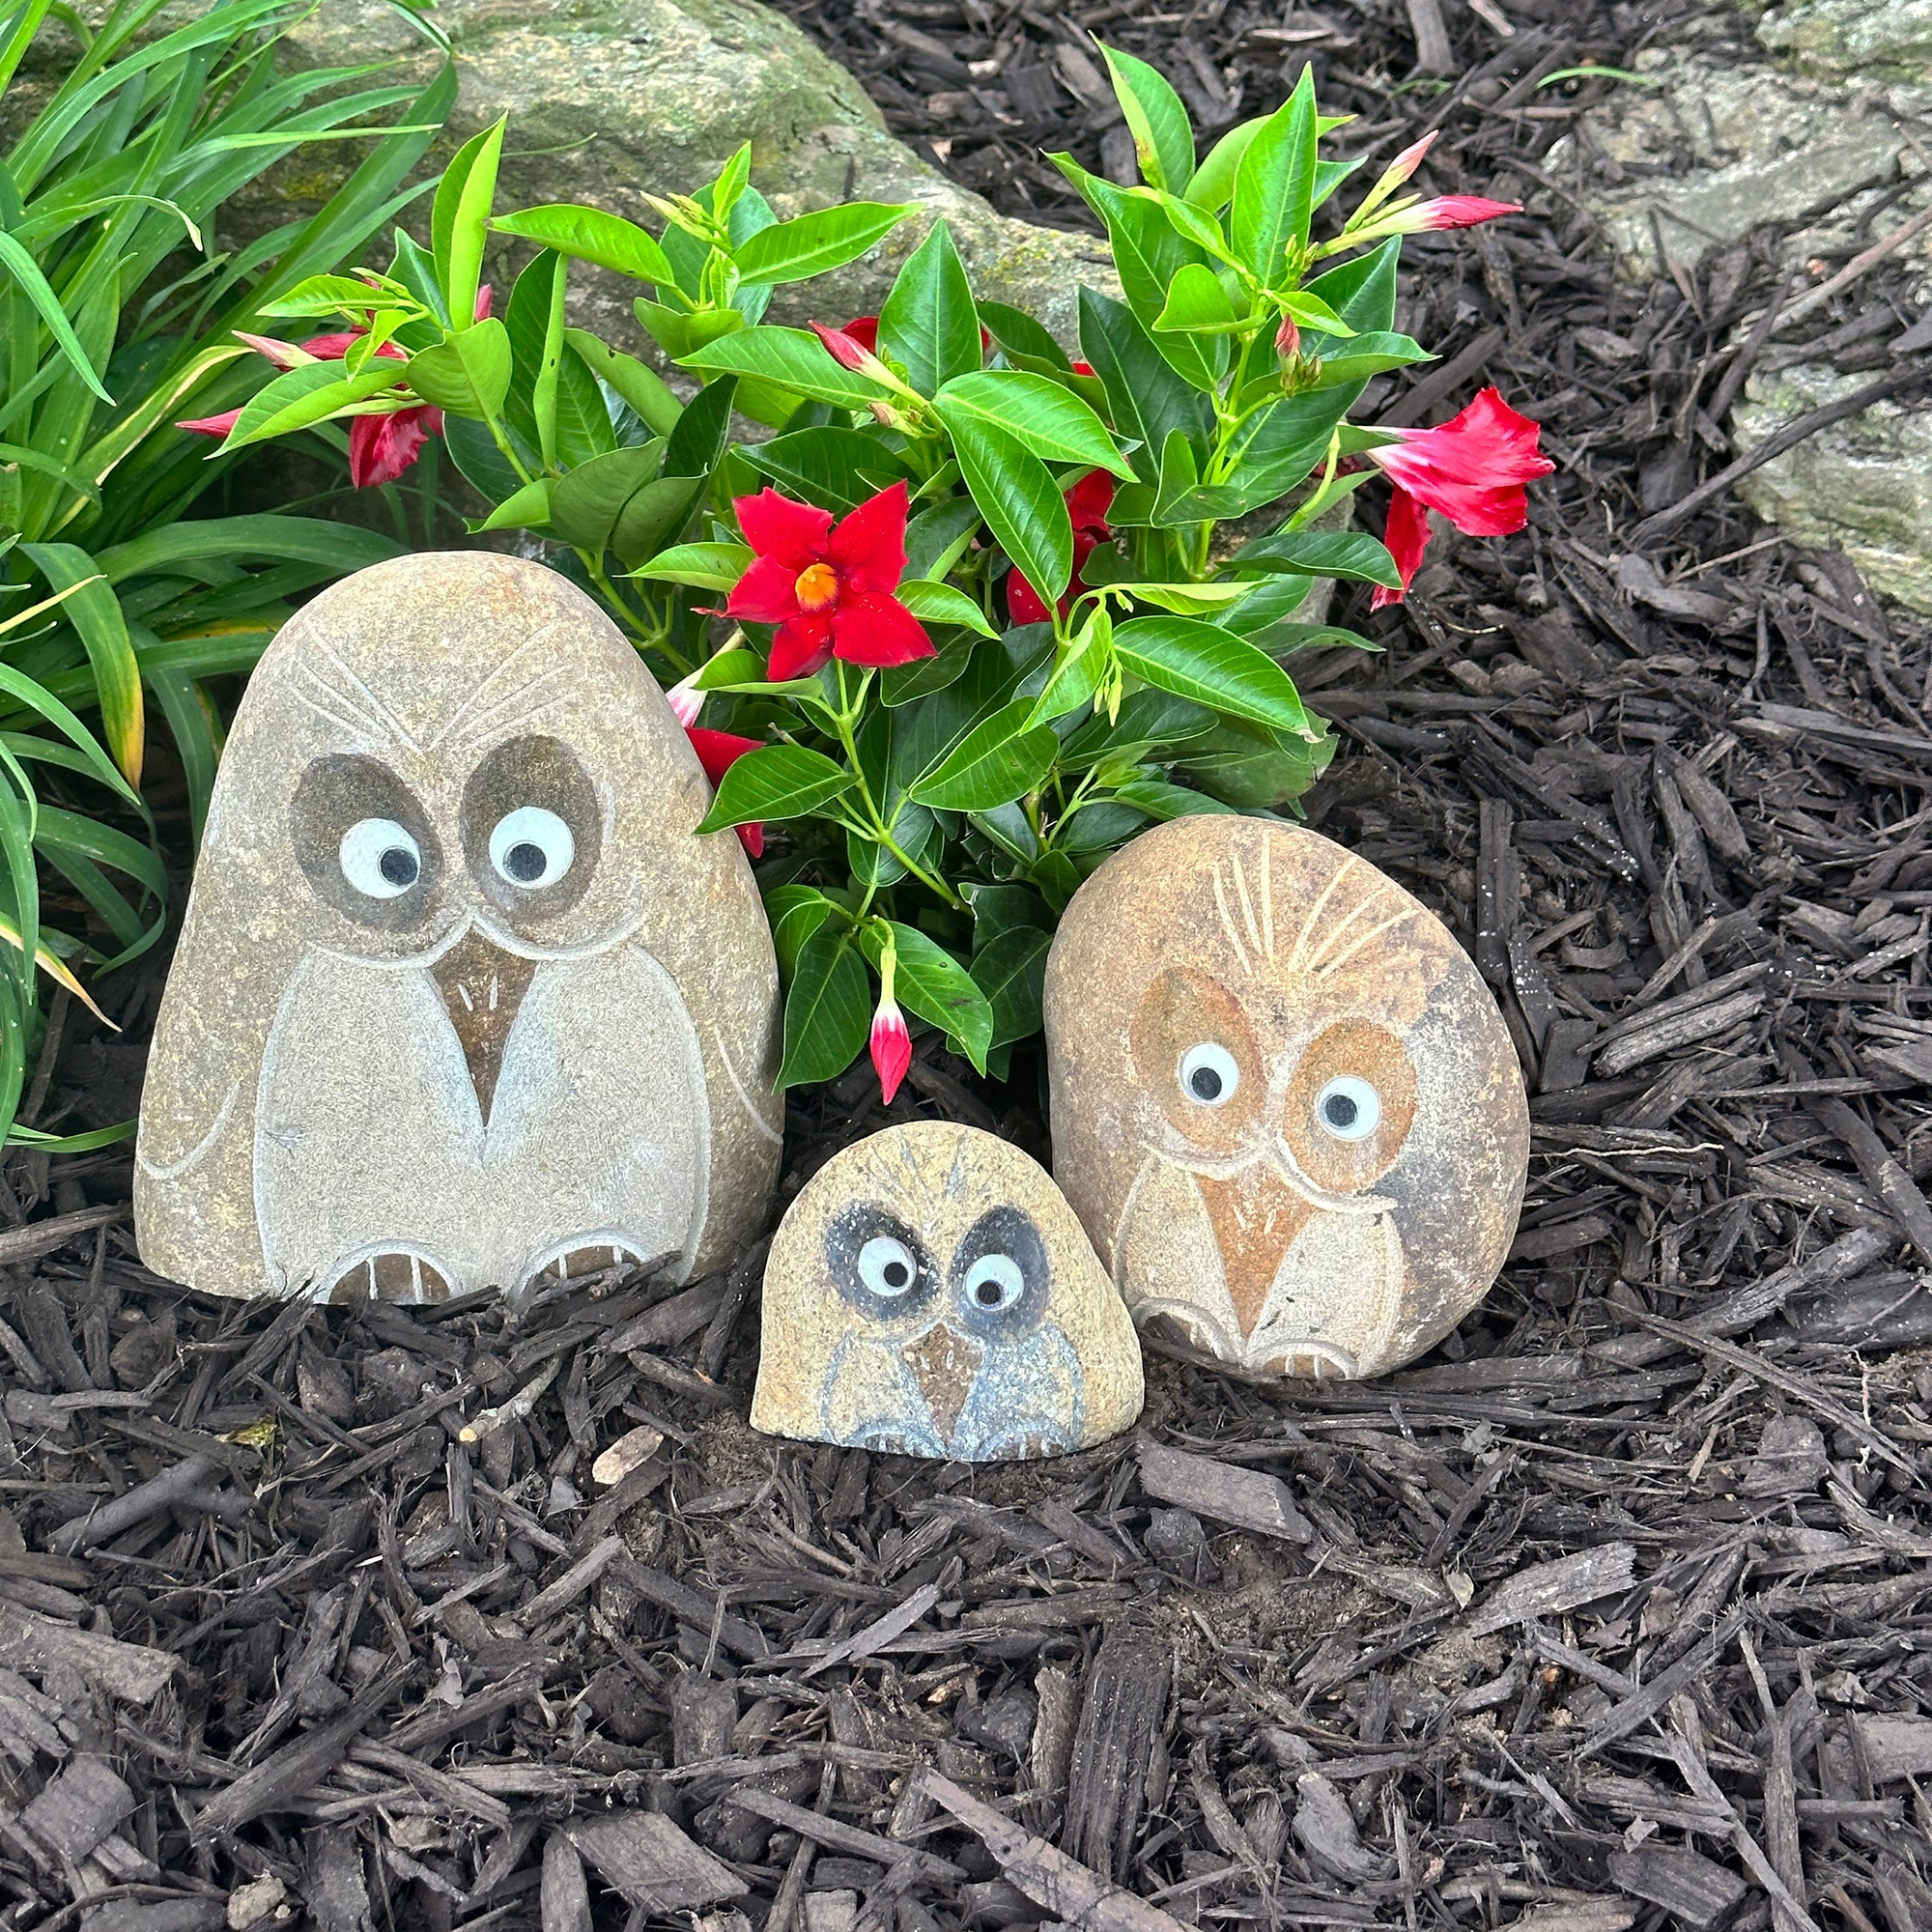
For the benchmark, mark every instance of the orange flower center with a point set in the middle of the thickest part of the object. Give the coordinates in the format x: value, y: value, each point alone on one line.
x: 816, y: 587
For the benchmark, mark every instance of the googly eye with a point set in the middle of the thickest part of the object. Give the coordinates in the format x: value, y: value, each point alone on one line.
x: 886, y: 1266
x: 1209, y: 1073
x: 1349, y: 1108
x: 380, y: 859
x: 994, y: 1282
x: 532, y: 848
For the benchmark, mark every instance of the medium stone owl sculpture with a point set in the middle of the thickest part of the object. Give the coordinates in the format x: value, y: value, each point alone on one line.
x: 459, y: 1000
x: 1283, y: 1101
x: 930, y: 1294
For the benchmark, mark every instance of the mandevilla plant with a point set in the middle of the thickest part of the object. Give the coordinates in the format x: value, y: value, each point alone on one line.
x: 979, y: 619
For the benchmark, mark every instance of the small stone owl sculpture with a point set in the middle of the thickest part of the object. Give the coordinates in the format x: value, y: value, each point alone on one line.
x: 459, y: 1000
x: 1283, y: 1101
x: 930, y: 1294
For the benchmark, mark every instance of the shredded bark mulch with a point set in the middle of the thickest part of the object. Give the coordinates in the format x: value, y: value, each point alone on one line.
x: 1612, y: 1613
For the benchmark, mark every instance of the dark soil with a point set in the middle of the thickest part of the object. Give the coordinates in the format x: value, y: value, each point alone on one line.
x: 1611, y: 1615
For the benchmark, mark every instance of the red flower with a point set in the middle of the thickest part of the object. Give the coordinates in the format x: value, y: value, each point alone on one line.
x: 1472, y: 468
x: 828, y: 586
x: 718, y: 751
x: 891, y: 1045
x: 380, y: 446
x: 863, y: 330
x: 1087, y: 505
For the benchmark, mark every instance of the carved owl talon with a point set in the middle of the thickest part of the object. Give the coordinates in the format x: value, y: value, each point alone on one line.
x: 406, y: 1279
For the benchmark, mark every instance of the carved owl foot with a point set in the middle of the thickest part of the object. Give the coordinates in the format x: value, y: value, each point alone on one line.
x: 1311, y: 1362
x: 396, y: 1277
x: 572, y: 1261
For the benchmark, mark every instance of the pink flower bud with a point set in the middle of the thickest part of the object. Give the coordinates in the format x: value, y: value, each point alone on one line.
x: 891, y: 1045
x: 1409, y: 159
x: 1451, y: 210
x: 1287, y: 339
x: 843, y: 349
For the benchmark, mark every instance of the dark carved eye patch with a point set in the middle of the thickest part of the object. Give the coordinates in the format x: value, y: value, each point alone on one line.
x: 531, y: 830
x: 879, y: 1264
x: 364, y: 842
x: 1000, y: 1274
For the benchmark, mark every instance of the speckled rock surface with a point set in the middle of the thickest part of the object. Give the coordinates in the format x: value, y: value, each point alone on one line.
x: 611, y: 99
x: 1293, y: 1122
x: 459, y: 999
x: 930, y: 1293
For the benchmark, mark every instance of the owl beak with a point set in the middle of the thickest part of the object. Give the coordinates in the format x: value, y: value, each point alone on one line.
x: 943, y: 1363
x: 1256, y: 1214
x: 482, y: 989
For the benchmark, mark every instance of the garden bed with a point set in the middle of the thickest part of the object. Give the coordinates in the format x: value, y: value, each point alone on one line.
x: 1611, y: 1613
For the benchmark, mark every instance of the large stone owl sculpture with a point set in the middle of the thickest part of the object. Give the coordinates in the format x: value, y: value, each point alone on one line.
x: 929, y: 1293
x: 1283, y: 1101
x: 459, y: 1000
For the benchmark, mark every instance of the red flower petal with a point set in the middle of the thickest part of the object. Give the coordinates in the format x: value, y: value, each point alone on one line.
x: 1088, y: 503
x: 717, y: 751
x: 752, y: 838
x: 847, y: 351
x: 869, y: 548
x: 382, y: 447
x: 781, y: 527
x: 1082, y: 369
x: 767, y: 594
x: 1406, y: 536
x: 878, y: 632
x: 801, y: 648
x: 215, y: 426
x: 863, y: 330
x: 1024, y: 604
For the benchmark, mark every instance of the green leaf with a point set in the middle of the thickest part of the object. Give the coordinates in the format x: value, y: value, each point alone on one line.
x: 942, y: 603
x: 1010, y: 970
x: 828, y: 1006
x: 1022, y: 504
x: 1196, y: 304
x: 585, y: 506
x: 652, y: 516
x: 461, y: 222
x: 814, y: 243
x: 1250, y: 768
x: 646, y: 392
x: 1163, y: 136
x: 1015, y: 331
x: 591, y: 235
x: 796, y: 913
x: 307, y: 395
x: 826, y: 465
x: 1348, y: 554
x: 776, y: 781
x: 729, y: 668
x: 1212, y: 667
x: 1161, y: 800
x: 1368, y: 355
x: 95, y: 612
x: 929, y: 323
x: 792, y: 359
x: 1274, y: 186
x: 1148, y: 398
x: 996, y: 763
x: 937, y: 538
x: 706, y: 566
x: 697, y: 442
x: 1361, y: 292
x: 527, y: 510
x: 24, y: 271
x: 1213, y: 182
x: 928, y: 982
x: 467, y: 373
x: 1035, y: 411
